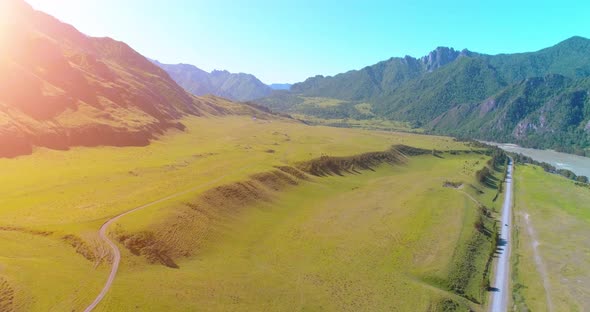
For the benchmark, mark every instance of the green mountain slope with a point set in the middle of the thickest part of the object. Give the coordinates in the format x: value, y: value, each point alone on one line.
x: 548, y: 112
x: 239, y: 87
x: 569, y: 58
x: 442, y: 91
x: 376, y: 80
x: 465, y: 80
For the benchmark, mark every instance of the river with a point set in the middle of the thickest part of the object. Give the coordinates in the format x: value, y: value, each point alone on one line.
x: 577, y: 164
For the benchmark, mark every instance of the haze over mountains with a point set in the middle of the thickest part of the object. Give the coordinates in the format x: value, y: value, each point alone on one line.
x: 537, y: 99
x: 280, y: 86
x: 61, y: 88
x: 238, y: 87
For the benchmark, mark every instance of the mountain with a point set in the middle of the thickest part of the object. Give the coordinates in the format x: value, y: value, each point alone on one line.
x: 368, y: 82
x: 448, y: 91
x: 60, y: 88
x: 381, y: 78
x: 442, y: 56
x: 239, y: 87
x: 280, y: 86
x: 546, y: 112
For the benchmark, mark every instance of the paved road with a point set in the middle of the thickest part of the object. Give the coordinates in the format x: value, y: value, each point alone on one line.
x: 501, y: 294
x: 115, y: 250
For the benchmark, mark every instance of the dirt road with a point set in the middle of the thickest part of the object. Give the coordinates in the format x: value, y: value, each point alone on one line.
x: 116, y: 260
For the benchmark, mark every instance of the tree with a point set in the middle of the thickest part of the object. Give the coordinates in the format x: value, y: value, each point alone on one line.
x: 482, y: 174
x: 567, y: 173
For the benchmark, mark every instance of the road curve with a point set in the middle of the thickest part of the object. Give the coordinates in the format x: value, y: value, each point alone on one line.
x: 501, y: 285
x: 115, y: 250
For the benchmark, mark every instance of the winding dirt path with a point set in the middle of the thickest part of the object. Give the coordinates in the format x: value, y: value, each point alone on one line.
x: 115, y: 249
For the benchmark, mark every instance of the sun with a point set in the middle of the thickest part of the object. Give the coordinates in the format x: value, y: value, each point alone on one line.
x: 10, y: 20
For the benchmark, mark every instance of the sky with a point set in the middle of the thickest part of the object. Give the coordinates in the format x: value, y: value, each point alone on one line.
x: 289, y: 41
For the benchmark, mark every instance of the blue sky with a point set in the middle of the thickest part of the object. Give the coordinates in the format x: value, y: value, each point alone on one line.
x: 288, y: 41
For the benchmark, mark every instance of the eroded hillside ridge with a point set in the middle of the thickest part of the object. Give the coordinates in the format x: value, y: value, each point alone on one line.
x: 60, y: 88
x: 328, y: 165
x: 197, y: 221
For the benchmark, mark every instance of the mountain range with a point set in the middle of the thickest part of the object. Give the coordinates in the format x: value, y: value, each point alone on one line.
x: 60, y: 88
x: 237, y: 87
x: 537, y: 99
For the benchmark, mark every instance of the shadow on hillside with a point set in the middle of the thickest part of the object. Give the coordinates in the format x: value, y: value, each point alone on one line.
x: 491, y: 182
x: 478, y: 190
x: 486, y: 232
x: 329, y: 165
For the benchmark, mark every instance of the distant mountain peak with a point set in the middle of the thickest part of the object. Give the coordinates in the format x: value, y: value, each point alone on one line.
x: 575, y: 43
x: 442, y: 56
x: 220, y: 71
x: 576, y: 39
x: 234, y: 86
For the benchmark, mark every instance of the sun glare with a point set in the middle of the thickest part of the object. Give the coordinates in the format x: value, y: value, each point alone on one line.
x: 258, y: 155
x: 5, y: 20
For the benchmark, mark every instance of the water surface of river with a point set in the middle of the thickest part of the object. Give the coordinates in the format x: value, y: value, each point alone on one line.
x: 577, y: 164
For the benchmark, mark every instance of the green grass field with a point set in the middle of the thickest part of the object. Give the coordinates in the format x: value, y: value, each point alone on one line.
x: 53, y: 202
x: 560, y: 222
x: 353, y: 243
x: 320, y: 102
x: 367, y: 124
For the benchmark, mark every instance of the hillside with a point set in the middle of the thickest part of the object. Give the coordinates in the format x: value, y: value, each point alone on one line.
x: 376, y: 80
x: 442, y: 92
x: 60, y: 88
x: 546, y: 112
x: 238, y: 87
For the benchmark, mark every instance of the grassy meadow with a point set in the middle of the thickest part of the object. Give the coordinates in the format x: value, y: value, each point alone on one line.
x: 319, y: 237
x: 368, y: 124
x: 358, y: 242
x: 551, y: 214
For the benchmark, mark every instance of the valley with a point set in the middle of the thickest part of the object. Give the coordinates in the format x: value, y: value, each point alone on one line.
x: 74, y: 198
x: 127, y: 184
x: 535, y: 99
